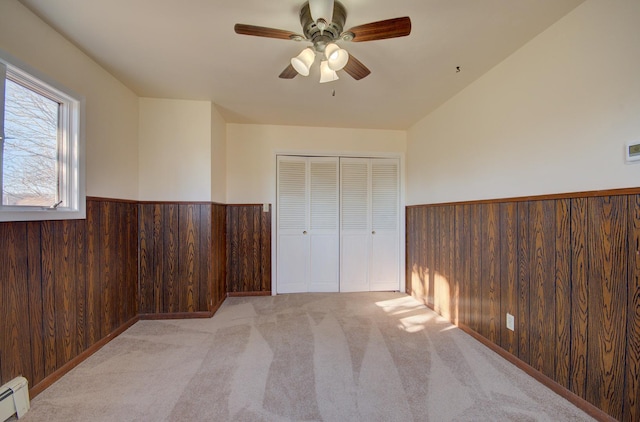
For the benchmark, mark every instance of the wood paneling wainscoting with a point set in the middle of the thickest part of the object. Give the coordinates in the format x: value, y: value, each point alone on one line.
x: 248, y: 250
x: 566, y: 266
x: 181, y: 259
x: 66, y: 287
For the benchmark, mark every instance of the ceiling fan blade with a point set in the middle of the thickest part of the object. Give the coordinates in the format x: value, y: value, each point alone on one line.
x: 261, y: 31
x: 390, y: 28
x: 356, y: 69
x: 288, y: 73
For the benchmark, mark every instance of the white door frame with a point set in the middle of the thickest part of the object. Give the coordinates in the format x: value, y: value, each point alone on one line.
x: 363, y: 154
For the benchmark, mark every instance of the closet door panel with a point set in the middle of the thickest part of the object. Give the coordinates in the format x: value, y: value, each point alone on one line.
x: 293, y: 268
x: 324, y: 228
x: 384, y: 262
x: 354, y: 263
x: 292, y: 260
x: 324, y: 270
x: 308, y: 229
x: 385, y: 258
x: 355, y: 235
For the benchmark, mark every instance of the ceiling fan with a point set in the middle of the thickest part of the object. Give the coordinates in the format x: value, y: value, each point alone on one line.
x: 323, y: 25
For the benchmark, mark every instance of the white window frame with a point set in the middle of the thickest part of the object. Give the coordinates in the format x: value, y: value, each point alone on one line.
x: 70, y: 145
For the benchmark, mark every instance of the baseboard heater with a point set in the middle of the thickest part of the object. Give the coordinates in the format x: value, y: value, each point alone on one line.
x: 14, y: 398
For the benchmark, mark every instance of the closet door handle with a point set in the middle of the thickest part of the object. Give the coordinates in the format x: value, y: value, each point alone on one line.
x: 373, y: 232
x: 304, y: 232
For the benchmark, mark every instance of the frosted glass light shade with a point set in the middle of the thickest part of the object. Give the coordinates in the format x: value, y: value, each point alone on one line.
x: 303, y: 61
x: 336, y: 56
x: 326, y: 73
x: 321, y: 9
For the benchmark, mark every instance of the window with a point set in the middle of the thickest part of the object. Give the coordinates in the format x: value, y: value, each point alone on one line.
x: 40, y: 148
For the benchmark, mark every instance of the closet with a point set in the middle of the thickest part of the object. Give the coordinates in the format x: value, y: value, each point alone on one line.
x: 337, y: 224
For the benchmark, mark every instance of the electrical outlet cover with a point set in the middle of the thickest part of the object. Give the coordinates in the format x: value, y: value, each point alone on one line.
x: 511, y: 324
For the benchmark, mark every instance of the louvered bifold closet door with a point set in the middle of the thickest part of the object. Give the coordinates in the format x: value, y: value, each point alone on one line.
x: 307, y: 225
x: 355, y: 222
x: 292, y: 259
x: 323, y: 230
x: 369, y: 236
x: 385, y: 221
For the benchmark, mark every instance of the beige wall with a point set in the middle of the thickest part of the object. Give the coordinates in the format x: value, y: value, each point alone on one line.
x: 218, y: 157
x: 174, y: 150
x: 552, y: 118
x: 251, y: 153
x: 111, y: 118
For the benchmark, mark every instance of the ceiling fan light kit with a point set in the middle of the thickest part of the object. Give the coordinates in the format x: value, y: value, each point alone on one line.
x: 323, y: 25
x: 303, y: 61
x: 337, y: 57
x: 326, y: 73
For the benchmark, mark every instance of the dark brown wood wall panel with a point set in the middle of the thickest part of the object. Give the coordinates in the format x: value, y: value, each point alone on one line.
x: 256, y: 252
x: 233, y: 252
x: 509, y: 273
x: 108, y: 235
x: 93, y: 281
x: 420, y: 257
x: 35, y: 301
x: 265, y: 249
x: 421, y: 267
x: 179, y: 257
x: 418, y: 269
x: 542, y: 290
x: 247, y: 262
x: 119, y: 298
x: 461, y: 261
x: 188, y: 268
x: 146, y: 274
x: 410, y: 252
x: 568, y: 268
x: 437, y: 251
x: 443, y: 274
x: 65, y: 291
x: 48, y: 295
x: 53, y: 283
x: 16, y: 352
x: 219, y: 253
x: 475, y: 281
x: 169, y: 284
x: 248, y: 249
x: 490, y: 322
x: 153, y: 220
x: 80, y: 267
x: 563, y: 291
x: 522, y: 316
x: 132, y: 259
x: 205, y: 259
x: 632, y: 371
x: 453, y: 287
x: 607, y: 254
x: 430, y: 247
x: 413, y: 284
x: 579, y: 297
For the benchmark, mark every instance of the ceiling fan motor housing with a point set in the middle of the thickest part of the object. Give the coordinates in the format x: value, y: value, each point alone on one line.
x: 333, y: 31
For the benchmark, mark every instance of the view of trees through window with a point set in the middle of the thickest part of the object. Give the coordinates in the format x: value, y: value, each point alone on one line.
x: 30, y: 150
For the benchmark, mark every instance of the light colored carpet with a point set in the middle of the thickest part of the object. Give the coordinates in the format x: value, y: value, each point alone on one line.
x: 304, y: 357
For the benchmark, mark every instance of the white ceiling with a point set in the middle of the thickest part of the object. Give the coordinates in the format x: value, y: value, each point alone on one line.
x: 187, y: 49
